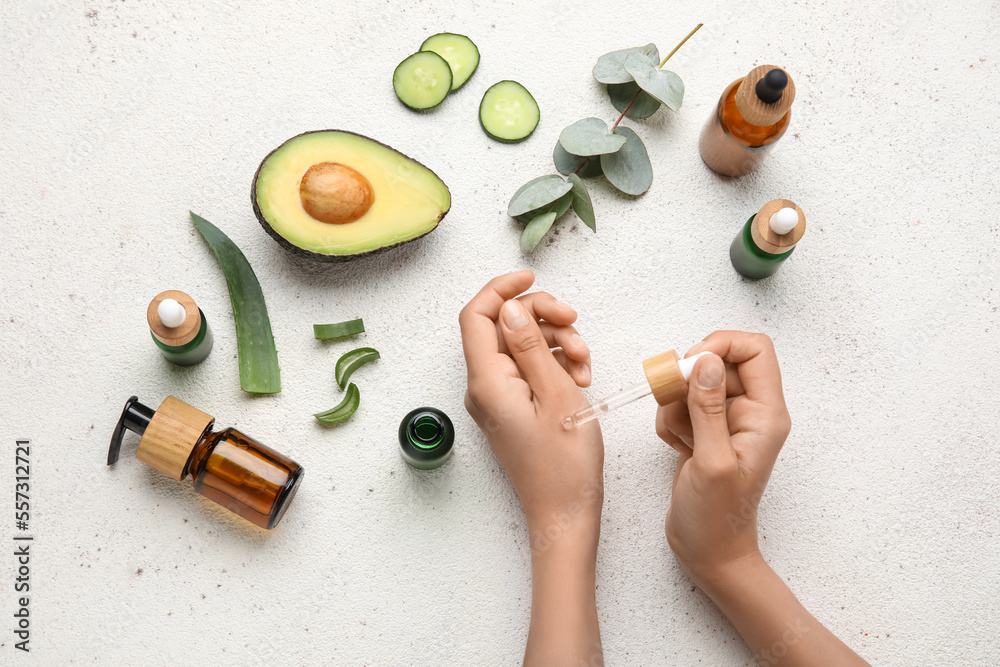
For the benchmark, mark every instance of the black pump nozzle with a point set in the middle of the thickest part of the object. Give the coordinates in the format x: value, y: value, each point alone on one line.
x: 135, y: 417
x: 771, y: 86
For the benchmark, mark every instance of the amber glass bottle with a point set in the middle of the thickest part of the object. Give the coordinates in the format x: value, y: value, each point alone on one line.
x: 752, y: 114
x: 244, y: 476
x: 236, y: 471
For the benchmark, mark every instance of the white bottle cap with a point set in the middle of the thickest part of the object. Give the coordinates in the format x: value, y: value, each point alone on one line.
x: 784, y: 220
x: 687, y: 365
x: 171, y: 313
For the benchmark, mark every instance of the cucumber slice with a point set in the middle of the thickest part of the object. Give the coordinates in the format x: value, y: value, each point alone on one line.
x: 508, y: 112
x: 422, y: 81
x: 462, y: 55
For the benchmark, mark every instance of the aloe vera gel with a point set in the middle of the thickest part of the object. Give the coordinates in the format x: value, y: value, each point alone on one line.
x: 426, y: 436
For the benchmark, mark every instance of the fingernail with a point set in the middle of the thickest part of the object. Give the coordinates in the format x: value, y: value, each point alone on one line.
x: 564, y: 306
x: 585, y: 372
x: 710, y: 372
x: 578, y: 341
x: 514, y: 314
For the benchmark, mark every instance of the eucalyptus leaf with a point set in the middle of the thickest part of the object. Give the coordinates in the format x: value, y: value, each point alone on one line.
x: 582, y: 205
x: 621, y: 95
x: 664, y: 85
x: 560, y: 206
x: 610, y: 67
x: 590, y: 136
x: 567, y: 163
x: 629, y: 169
x: 536, y: 193
x: 535, y: 230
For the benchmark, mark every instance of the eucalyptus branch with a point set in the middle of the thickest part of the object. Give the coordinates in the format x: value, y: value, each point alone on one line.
x: 621, y: 153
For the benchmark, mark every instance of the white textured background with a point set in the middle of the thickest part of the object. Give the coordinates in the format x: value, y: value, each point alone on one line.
x: 118, y: 117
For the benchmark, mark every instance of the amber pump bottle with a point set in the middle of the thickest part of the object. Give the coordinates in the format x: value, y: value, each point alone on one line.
x: 234, y: 470
x: 752, y: 114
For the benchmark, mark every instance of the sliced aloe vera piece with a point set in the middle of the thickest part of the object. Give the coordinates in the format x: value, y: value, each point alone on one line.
x: 259, y: 372
x: 462, y: 55
x: 345, y: 409
x: 338, y: 330
x: 352, y: 361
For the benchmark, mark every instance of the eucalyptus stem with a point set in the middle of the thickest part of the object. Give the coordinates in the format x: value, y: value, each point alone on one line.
x: 664, y: 61
x: 636, y: 96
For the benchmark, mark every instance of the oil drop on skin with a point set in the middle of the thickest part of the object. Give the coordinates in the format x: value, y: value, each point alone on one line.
x: 666, y: 378
x: 179, y: 328
x: 767, y: 239
x: 426, y: 437
x: 232, y: 469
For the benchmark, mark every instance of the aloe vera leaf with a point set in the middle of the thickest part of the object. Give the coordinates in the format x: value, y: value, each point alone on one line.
x: 259, y: 371
x: 344, y: 409
x: 338, y: 330
x: 352, y: 361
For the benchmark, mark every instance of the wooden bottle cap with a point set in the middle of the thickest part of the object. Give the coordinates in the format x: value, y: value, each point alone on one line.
x: 174, y: 336
x: 665, y: 378
x: 756, y: 111
x: 171, y: 435
x: 765, y: 238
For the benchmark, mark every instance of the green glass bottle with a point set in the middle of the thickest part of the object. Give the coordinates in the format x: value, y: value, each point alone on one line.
x: 767, y: 239
x: 179, y: 328
x: 426, y: 436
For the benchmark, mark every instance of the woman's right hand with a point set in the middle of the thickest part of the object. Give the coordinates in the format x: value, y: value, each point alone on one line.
x: 728, y: 435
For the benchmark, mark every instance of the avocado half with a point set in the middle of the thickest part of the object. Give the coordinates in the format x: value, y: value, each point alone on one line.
x: 332, y: 195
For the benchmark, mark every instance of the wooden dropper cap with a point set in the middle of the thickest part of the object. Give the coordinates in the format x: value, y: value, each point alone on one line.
x: 180, y: 334
x: 765, y: 95
x: 667, y: 375
x: 171, y: 436
x: 766, y: 227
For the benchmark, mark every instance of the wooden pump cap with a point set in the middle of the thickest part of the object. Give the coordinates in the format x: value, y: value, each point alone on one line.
x: 755, y: 110
x: 765, y: 238
x: 179, y: 335
x: 665, y: 378
x: 171, y: 436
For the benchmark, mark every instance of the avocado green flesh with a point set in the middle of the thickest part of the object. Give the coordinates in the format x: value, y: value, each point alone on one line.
x: 409, y: 199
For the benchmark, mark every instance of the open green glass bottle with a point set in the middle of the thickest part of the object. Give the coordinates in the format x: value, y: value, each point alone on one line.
x: 426, y: 436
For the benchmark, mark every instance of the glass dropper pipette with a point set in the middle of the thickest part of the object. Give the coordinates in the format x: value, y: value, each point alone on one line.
x: 666, y: 379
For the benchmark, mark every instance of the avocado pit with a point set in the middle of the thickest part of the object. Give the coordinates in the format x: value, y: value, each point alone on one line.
x: 335, y: 193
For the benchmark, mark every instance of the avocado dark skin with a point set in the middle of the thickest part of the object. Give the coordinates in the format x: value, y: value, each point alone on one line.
x: 320, y: 257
